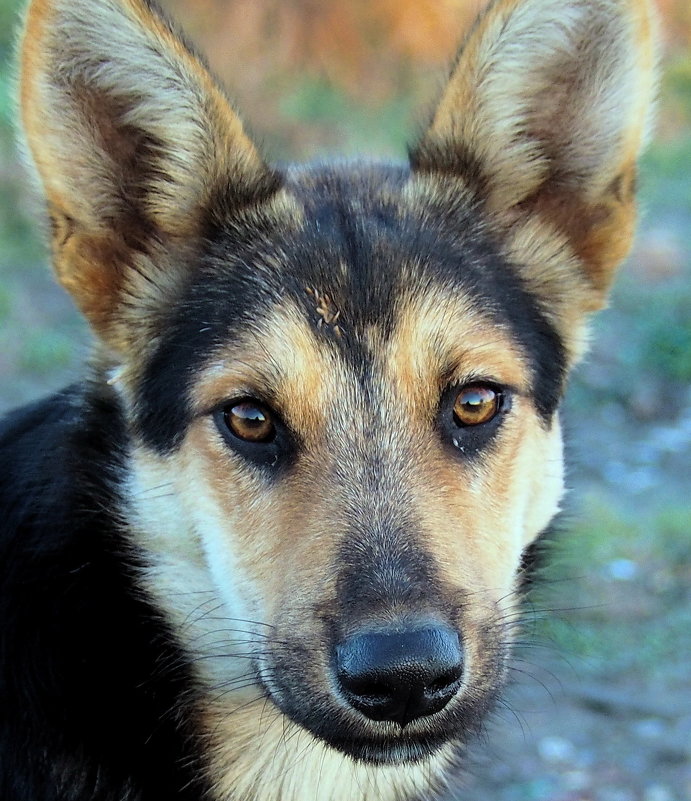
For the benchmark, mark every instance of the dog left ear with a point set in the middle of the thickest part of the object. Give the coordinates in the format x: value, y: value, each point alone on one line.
x: 545, y: 113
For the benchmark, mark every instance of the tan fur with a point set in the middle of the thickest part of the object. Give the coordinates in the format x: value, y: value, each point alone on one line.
x: 555, y: 113
x: 101, y: 81
x: 441, y: 340
x: 275, y: 760
x: 552, y: 272
x: 282, y: 358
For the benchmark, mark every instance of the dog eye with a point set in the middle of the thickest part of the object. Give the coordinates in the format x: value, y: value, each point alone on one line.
x: 476, y: 404
x: 250, y: 421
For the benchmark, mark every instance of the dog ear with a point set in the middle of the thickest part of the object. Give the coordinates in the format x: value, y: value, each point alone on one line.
x: 546, y: 111
x: 135, y: 145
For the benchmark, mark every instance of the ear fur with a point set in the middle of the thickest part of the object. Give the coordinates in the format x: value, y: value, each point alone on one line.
x: 546, y: 111
x: 133, y: 141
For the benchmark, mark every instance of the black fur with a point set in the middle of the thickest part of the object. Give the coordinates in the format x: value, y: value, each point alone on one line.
x: 93, y: 688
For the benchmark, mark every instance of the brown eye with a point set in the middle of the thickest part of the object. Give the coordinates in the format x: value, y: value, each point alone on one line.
x: 475, y: 405
x: 250, y: 421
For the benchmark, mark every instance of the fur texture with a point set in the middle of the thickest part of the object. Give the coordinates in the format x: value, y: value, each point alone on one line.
x: 322, y: 412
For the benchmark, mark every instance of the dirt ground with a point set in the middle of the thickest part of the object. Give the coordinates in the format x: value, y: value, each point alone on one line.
x: 563, y: 737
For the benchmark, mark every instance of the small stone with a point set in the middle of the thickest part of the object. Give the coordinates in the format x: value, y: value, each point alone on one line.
x: 658, y: 792
x: 649, y: 729
x: 576, y: 781
x: 615, y: 794
x: 622, y: 569
x: 556, y: 749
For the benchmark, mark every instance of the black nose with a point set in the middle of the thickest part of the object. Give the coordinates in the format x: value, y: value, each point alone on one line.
x: 400, y: 675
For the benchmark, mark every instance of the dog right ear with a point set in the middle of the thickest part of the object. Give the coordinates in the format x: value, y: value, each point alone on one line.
x: 136, y: 146
x: 545, y: 113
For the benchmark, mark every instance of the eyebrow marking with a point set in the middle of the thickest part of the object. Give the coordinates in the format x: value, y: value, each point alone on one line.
x: 327, y: 311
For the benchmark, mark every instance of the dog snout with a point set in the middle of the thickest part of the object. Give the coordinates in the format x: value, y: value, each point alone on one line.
x: 400, y: 674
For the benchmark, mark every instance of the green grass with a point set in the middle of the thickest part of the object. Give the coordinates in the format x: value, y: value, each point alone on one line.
x: 383, y: 130
x: 44, y: 352
x: 627, y: 580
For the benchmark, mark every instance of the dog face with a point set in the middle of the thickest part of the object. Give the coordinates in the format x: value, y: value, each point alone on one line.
x: 341, y: 382
x: 369, y: 446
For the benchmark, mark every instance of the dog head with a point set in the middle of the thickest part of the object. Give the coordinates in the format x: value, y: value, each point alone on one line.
x: 341, y: 382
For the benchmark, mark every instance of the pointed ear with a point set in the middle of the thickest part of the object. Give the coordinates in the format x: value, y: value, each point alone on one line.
x: 546, y: 112
x: 134, y: 143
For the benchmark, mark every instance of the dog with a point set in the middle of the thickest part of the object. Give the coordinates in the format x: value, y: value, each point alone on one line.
x: 269, y: 549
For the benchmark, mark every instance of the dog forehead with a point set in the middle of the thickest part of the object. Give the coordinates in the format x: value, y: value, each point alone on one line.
x: 348, y: 250
x: 317, y: 368
x: 388, y: 261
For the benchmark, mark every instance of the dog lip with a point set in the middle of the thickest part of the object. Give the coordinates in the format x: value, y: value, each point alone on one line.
x: 387, y: 752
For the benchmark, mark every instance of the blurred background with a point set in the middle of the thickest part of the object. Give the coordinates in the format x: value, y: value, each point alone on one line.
x: 601, y: 710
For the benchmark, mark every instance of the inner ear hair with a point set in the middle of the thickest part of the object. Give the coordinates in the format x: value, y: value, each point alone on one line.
x: 136, y: 146
x: 546, y: 112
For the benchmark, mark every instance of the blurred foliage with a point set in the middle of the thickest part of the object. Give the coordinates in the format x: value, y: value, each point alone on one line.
x: 676, y: 17
x: 667, y: 348
x: 353, y: 71
x: 627, y: 577
x: 346, y: 42
x: 367, y: 54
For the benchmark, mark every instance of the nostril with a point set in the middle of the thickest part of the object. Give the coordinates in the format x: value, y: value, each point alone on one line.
x: 400, y: 675
x: 364, y: 689
x: 445, y: 681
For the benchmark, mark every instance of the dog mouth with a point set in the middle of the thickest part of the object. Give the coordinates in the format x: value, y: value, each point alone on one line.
x: 387, y: 694
x: 405, y: 748
x: 372, y: 743
x: 330, y: 719
x: 390, y: 744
